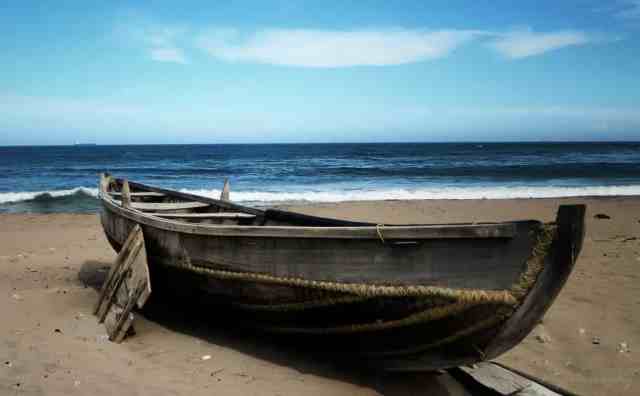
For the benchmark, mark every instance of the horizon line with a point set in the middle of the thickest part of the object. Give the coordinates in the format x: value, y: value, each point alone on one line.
x: 345, y: 142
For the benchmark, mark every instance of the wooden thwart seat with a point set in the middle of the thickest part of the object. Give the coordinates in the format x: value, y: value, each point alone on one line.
x: 220, y: 215
x: 151, y: 206
x: 139, y: 194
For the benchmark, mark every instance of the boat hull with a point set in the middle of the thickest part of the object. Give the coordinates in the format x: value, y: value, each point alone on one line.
x: 423, y: 305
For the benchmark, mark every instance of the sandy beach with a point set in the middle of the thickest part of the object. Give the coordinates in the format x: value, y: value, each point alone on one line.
x: 50, y: 344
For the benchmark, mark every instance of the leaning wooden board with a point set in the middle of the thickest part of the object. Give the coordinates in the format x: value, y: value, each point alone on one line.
x: 127, y: 285
x: 504, y: 382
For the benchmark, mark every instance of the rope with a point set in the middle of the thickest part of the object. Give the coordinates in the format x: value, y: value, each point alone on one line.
x: 533, y: 267
x: 358, y: 289
x: 478, y: 326
x: 535, y: 263
x: 428, y: 315
x: 301, y: 306
x: 508, y: 300
x: 465, y: 298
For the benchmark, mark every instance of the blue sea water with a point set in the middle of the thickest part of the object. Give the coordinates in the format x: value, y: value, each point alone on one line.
x: 64, y: 178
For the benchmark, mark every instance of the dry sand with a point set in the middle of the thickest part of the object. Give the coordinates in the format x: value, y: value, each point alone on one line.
x: 51, y: 344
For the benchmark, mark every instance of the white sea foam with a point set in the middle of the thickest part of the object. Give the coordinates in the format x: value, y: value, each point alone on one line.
x: 425, y: 193
x: 469, y: 192
x: 29, y: 195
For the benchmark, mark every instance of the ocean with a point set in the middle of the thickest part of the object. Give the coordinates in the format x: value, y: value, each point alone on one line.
x: 64, y: 178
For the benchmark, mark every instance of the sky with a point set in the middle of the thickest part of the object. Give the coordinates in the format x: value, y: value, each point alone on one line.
x: 318, y: 71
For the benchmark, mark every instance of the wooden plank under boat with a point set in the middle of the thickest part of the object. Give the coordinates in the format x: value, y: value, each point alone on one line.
x: 399, y: 297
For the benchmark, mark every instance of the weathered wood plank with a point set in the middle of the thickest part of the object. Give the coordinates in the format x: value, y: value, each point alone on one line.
x: 111, y: 319
x: 139, y: 279
x: 139, y: 194
x: 126, y: 194
x: 453, y: 263
x: 127, y: 286
x: 224, y: 195
x: 505, y: 382
x: 168, y: 205
x: 462, y: 231
x: 110, y: 294
x: 110, y: 284
x: 218, y: 215
x: 497, y: 230
x: 186, y: 196
x: 123, y: 328
x: 125, y: 319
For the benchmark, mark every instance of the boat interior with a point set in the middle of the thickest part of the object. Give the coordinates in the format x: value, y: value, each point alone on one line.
x: 189, y: 208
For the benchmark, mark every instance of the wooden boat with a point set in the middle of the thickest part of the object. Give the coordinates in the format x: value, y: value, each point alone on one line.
x: 400, y: 297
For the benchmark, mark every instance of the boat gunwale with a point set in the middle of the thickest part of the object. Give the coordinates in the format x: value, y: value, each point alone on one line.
x: 503, y: 230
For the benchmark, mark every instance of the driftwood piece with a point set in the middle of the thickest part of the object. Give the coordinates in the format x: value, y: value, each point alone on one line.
x: 128, y: 285
x: 224, y: 195
x: 505, y: 382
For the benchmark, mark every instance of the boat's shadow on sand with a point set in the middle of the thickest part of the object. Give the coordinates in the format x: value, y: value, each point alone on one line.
x: 214, y: 325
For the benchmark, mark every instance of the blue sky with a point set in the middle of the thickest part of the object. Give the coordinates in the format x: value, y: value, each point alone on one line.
x: 318, y: 71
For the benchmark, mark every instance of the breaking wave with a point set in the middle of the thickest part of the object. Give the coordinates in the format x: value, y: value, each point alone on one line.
x: 83, y: 199
x: 14, y: 197
x: 76, y: 200
x: 469, y: 192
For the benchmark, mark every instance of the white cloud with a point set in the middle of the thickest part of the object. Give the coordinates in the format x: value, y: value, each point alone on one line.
x: 168, y: 54
x: 325, y: 48
x: 162, y: 43
x: 524, y: 43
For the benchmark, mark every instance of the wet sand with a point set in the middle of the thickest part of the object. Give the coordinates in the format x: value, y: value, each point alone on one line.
x: 50, y: 266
